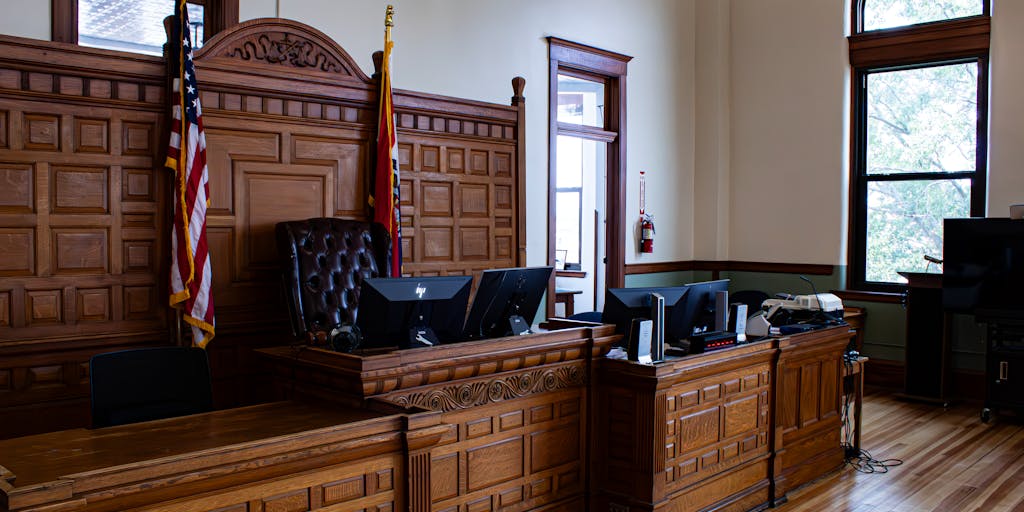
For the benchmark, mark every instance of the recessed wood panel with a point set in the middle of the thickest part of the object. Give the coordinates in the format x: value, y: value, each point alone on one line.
x: 91, y: 135
x: 741, y: 415
x: 40, y: 82
x: 127, y: 91
x: 44, y: 307
x: 503, y: 165
x: 349, y: 159
x: 222, y: 250
x: 93, y: 304
x: 503, y: 196
x: 17, y: 251
x: 478, y: 162
x: 407, y: 199
x: 437, y: 199
x: 701, y: 429
x: 138, y: 256
x: 444, y: 477
x: 49, y: 376
x: 295, y: 501
x: 42, y: 132
x: 99, y: 88
x: 408, y: 248
x: 138, y: 220
x: 138, y: 185
x: 16, y: 188
x: 137, y: 139
x: 225, y: 150
x: 139, y: 302
x: 494, y: 463
x: 437, y: 244
x: 3, y: 129
x: 478, y: 428
x: 80, y: 190
x: 430, y: 156
x: 5, y: 380
x: 552, y: 448
x: 344, y: 490
x: 80, y: 251
x: 272, y: 199
x: 404, y: 157
x: 456, y: 160
x: 503, y: 247
x: 5, y: 311
x: 474, y: 243
x: 473, y: 201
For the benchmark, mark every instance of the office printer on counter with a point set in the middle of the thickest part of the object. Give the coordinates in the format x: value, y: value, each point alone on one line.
x: 787, y: 312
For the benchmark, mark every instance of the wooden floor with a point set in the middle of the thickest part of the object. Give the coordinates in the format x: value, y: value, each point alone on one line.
x: 952, y: 462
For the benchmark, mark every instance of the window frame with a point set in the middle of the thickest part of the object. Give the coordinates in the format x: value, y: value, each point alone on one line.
x: 590, y: 63
x: 217, y: 16
x: 909, y: 47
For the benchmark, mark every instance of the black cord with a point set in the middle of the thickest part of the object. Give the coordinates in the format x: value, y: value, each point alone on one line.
x: 859, y: 458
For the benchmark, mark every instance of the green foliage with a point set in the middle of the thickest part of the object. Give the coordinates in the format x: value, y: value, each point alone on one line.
x: 894, y: 13
x: 919, y: 121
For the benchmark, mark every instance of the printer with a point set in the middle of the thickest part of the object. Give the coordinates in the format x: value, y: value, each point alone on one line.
x: 820, y: 308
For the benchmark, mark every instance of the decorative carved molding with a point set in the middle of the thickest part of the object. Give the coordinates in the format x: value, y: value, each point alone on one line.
x: 473, y: 394
x: 287, y: 49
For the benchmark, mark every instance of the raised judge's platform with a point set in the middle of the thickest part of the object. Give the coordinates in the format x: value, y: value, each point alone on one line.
x: 538, y: 422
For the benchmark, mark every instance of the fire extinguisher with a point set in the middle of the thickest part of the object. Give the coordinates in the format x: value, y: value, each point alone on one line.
x: 646, y: 220
x: 647, y: 233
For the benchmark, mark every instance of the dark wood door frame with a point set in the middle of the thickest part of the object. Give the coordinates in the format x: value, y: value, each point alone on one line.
x: 609, y: 68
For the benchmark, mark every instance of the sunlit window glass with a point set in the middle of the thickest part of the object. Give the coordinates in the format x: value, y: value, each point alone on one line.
x: 132, y: 25
x: 879, y: 14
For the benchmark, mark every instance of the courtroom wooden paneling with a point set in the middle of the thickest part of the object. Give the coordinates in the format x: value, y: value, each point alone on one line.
x: 808, y: 398
x: 516, y: 411
x: 686, y: 434
x: 290, y: 124
x: 278, y: 456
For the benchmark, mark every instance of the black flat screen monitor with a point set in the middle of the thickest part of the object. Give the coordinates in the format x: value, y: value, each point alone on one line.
x: 622, y: 305
x: 503, y: 295
x: 699, y: 313
x: 397, y: 311
x: 983, y: 266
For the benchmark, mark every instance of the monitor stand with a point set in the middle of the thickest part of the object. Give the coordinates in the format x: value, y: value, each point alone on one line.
x: 518, y: 325
x: 422, y: 336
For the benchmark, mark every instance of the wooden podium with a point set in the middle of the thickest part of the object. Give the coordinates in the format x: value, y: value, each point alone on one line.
x: 927, y: 356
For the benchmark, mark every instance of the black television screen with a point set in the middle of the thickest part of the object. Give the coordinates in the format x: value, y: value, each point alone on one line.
x: 505, y: 295
x: 700, y: 305
x: 398, y: 311
x: 622, y: 305
x: 983, y: 266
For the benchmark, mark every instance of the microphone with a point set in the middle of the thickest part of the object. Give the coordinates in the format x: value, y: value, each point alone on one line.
x: 821, y: 309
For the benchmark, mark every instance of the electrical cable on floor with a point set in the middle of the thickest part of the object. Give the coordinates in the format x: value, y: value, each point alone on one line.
x: 859, y: 458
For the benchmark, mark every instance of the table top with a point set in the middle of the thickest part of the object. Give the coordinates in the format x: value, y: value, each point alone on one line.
x: 51, y: 456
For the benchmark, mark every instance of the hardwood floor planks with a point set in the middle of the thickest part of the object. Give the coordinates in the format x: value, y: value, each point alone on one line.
x: 952, y: 462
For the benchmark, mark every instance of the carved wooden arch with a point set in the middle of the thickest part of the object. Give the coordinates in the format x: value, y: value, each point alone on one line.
x: 281, y: 43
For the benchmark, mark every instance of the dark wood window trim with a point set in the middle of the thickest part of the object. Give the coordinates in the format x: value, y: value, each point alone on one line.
x: 922, y: 45
x: 217, y: 16
x: 592, y: 63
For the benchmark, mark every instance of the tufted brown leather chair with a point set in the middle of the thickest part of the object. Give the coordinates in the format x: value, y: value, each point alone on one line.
x: 324, y: 262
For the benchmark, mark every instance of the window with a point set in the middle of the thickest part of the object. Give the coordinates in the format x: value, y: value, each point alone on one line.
x: 587, y: 174
x: 134, y: 25
x: 919, y: 136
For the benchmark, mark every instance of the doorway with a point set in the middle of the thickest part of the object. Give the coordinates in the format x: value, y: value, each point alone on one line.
x: 586, y: 218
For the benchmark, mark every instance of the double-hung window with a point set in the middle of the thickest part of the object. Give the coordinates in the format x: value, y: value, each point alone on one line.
x: 920, y: 114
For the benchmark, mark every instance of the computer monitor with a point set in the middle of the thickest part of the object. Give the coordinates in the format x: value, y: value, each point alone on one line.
x: 506, y: 302
x: 622, y: 305
x: 699, y: 312
x: 412, y: 311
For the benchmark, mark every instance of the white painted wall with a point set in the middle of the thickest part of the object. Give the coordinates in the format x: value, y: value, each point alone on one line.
x: 1006, y: 122
x: 738, y: 109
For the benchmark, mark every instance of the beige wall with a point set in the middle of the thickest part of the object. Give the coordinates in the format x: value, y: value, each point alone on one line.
x: 738, y: 109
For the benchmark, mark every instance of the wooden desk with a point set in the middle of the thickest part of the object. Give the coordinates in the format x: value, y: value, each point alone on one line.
x: 265, y: 457
x: 564, y: 296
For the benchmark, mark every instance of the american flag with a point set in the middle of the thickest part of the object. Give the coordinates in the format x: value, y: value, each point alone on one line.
x: 186, y: 156
x: 385, y: 198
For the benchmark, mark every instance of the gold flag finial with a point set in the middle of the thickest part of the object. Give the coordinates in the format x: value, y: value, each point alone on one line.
x: 389, y: 20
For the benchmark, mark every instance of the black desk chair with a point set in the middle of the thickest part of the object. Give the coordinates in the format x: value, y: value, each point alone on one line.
x: 146, y: 384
